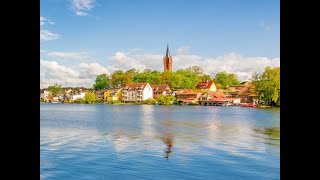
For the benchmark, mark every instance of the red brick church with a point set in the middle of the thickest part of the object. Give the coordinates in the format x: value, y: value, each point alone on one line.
x: 167, y: 61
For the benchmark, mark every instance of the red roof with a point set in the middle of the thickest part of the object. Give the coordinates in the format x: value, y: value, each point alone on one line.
x: 188, y: 92
x: 159, y: 88
x: 204, y: 84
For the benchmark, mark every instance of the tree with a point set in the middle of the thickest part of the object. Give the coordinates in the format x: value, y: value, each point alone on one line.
x: 90, y: 97
x: 102, y: 82
x: 196, y: 70
x: 120, y: 79
x: 267, y: 85
x: 149, y: 101
x: 226, y: 79
x: 165, y: 100
x: 55, y: 89
x: 131, y: 73
x: 206, y: 77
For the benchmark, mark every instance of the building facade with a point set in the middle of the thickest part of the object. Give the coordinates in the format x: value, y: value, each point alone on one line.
x: 206, y: 86
x: 113, y: 94
x: 188, y: 97
x: 137, y: 92
x: 163, y: 89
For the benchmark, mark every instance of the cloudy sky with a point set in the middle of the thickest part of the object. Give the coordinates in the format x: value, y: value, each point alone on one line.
x: 80, y: 39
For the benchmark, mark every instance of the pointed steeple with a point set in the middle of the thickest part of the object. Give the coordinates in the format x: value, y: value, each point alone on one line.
x: 167, y: 53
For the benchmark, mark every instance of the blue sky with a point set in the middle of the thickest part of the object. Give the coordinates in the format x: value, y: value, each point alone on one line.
x: 123, y: 34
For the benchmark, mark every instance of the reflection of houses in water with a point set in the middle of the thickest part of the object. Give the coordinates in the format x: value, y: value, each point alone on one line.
x: 147, y: 121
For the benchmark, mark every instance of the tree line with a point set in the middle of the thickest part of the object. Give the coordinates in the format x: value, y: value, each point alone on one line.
x: 267, y: 83
x: 181, y: 79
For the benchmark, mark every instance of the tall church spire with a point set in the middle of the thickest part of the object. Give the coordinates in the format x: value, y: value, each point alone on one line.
x: 167, y: 53
x: 167, y: 60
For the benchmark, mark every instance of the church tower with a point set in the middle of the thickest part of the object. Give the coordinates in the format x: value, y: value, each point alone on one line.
x: 167, y: 61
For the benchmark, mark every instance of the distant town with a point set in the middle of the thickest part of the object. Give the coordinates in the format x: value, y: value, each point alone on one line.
x: 184, y: 87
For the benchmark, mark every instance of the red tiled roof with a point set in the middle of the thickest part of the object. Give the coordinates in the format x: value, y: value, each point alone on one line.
x: 188, y: 92
x: 159, y: 88
x: 206, y: 84
x: 246, y: 90
x: 215, y: 94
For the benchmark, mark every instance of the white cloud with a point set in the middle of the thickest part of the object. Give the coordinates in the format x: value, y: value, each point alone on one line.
x: 69, y: 55
x: 91, y: 70
x: 84, y: 74
x: 81, y: 7
x: 46, y: 35
x: 264, y: 26
x: 44, y: 21
x: 183, y: 50
x: 231, y: 63
x: 80, y: 13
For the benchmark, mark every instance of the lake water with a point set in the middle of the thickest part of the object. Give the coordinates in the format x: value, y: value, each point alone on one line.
x: 83, y: 141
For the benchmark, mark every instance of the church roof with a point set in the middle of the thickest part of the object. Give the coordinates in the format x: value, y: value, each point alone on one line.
x: 168, y: 52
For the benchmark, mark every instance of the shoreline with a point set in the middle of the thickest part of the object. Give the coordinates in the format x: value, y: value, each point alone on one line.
x: 263, y: 107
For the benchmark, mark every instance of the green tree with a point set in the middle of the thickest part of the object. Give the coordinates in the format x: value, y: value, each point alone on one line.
x: 267, y: 85
x: 226, y: 79
x: 102, y: 82
x: 90, y: 97
x: 206, y: 77
x: 132, y: 73
x: 165, y: 100
x: 55, y: 89
x: 149, y: 101
x: 120, y: 79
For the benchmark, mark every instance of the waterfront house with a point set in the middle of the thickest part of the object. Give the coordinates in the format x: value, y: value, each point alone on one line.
x: 216, y: 98
x: 137, y: 92
x: 163, y: 89
x: 60, y: 96
x: 206, y: 86
x: 45, y: 94
x: 114, y: 94
x: 246, y: 94
x: 188, y: 97
x: 79, y: 95
x: 233, y: 90
x: 99, y: 94
x: 49, y: 99
x: 211, y: 95
x: 176, y: 91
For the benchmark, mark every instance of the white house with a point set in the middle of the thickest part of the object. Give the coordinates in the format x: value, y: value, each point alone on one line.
x: 78, y: 96
x: 137, y: 92
x: 45, y: 94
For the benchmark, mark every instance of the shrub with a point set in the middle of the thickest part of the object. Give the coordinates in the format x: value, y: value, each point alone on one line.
x: 149, y: 101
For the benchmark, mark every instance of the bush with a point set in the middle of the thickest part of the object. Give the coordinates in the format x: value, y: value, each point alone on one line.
x: 165, y: 100
x: 114, y: 102
x: 149, y: 101
x: 99, y: 101
x: 79, y: 101
x: 42, y: 100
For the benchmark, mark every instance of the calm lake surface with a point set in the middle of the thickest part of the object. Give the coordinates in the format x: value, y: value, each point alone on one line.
x: 80, y: 141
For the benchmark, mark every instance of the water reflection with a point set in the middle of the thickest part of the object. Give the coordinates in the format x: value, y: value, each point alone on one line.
x: 168, y: 141
x: 192, y: 140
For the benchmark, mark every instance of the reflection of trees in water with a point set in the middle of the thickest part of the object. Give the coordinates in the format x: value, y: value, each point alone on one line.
x: 168, y: 140
x: 272, y: 135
